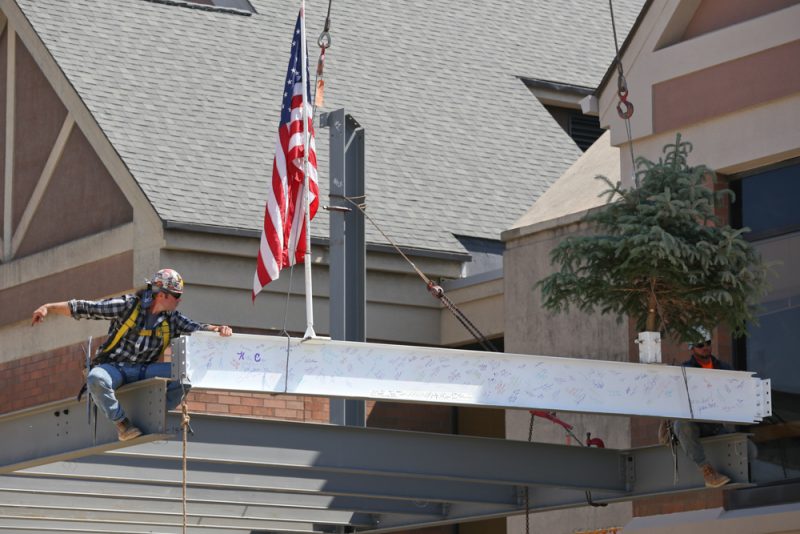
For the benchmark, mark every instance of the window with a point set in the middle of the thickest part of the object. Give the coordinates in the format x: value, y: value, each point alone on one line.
x: 767, y: 202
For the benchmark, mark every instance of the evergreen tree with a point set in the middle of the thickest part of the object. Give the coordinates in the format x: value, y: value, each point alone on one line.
x: 661, y: 255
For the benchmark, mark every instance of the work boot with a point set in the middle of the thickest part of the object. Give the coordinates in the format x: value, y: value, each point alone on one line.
x: 712, y: 478
x: 126, y: 431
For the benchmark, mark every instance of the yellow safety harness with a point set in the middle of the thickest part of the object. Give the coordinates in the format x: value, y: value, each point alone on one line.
x: 161, y: 331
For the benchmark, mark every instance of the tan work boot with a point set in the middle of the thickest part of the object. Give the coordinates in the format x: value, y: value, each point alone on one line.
x: 126, y: 431
x: 712, y: 478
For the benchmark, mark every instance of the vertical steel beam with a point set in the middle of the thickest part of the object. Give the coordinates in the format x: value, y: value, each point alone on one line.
x: 347, y: 246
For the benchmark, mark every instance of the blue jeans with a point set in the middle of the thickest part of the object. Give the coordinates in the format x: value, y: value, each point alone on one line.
x: 689, y: 435
x: 104, y: 379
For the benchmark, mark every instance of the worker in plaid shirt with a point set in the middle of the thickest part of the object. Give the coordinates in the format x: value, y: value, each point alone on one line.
x: 141, y: 328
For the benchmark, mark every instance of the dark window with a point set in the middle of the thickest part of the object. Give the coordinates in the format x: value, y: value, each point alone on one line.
x: 767, y: 203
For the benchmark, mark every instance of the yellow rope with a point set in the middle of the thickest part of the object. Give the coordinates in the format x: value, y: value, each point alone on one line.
x: 185, y: 426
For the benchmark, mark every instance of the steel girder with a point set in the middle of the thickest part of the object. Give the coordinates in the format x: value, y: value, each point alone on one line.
x: 468, y: 378
x: 247, y: 474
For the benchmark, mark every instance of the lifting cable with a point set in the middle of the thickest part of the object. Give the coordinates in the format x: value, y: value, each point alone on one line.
x: 624, y: 108
x: 434, y: 289
x: 185, y: 427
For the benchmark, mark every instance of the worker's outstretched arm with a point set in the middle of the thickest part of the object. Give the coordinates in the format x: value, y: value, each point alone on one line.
x: 60, y: 308
x: 222, y: 330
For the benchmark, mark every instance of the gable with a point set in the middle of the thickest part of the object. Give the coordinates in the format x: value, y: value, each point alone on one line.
x: 55, y: 188
x: 722, y: 79
x: 712, y: 15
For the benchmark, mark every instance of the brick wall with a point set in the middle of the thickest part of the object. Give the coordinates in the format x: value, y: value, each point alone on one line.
x: 41, y: 378
x: 264, y: 405
x: 57, y: 375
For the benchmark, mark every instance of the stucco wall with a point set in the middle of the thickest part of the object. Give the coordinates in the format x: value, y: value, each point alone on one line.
x: 531, y: 330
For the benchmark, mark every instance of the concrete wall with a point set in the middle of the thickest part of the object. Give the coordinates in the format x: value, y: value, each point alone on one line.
x: 531, y: 330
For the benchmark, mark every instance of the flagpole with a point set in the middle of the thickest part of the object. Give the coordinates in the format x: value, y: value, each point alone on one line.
x: 309, y: 304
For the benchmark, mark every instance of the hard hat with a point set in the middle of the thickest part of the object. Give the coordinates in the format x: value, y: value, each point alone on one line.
x: 167, y: 280
x: 702, y: 336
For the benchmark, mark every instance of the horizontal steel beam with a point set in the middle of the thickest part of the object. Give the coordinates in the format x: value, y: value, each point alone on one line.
x: 371, y: 451
x: 234, y: 458
x: 142, y: 517
x: 32, y: 523
x: 469, y: 378
x: 61, y: 430
x: 245, y: 477
x: 652, y: 473
x: 158, y: 491
x: 153, y: 510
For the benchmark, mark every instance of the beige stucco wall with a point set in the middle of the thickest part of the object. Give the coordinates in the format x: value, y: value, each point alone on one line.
x: 219, y: 271
x: 531, y: 330
x: 481, y: 300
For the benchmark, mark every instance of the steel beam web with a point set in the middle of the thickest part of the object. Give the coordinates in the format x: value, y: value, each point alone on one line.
x: 469, y: 378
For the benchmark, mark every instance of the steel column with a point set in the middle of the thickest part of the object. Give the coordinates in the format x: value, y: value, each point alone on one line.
x: 347, y: 263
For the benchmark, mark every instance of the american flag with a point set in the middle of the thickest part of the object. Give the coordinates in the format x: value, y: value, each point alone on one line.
x: 283, y: 240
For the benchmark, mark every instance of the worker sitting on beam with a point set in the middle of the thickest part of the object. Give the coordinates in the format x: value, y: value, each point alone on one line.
x: 142, y: 326
x: 689, y: 433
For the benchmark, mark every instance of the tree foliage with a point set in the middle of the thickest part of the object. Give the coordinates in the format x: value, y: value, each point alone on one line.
x: 661, y: 255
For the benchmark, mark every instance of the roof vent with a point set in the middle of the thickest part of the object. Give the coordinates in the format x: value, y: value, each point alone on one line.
x: 234, y: 7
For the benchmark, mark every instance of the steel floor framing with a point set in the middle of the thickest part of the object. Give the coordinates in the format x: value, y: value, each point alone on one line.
x: 255, y: 475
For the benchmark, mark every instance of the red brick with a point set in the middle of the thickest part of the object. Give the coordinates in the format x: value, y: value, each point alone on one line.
x: 238, y: 409
x: 195, y: 406
x: 252, y: 402
x: 204, y: 397
x: 229, y: 399
x: 217, y: 408
x: 264, y: 412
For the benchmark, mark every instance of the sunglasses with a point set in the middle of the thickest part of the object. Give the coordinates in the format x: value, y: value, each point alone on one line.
x: 702, y: 345
x: 176, y: 296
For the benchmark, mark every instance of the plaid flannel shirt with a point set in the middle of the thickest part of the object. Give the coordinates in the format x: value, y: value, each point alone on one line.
x: 132, y: 348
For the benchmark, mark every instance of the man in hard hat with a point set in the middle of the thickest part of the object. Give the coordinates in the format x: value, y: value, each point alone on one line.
x: 142, y: 326
x: 689, y: 433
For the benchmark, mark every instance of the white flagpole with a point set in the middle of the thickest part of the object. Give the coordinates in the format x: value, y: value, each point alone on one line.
x: 306, y: 200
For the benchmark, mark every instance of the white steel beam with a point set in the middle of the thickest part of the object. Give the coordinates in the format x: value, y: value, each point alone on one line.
x: 468, y: 378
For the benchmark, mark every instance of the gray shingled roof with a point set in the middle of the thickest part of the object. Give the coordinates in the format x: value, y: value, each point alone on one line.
x: 456, y: 144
